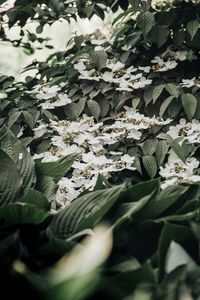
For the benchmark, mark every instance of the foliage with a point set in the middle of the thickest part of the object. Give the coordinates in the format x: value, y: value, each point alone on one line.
x: 107, y: 132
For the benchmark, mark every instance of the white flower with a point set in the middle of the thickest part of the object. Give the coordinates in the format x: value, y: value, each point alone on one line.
x: 40, y: 130
x: 115, y: 66
x: 90, y: 75
x: 159, y: 65
x: 47, y: 92
x: 176, y: 168
x: 145, y: 69
x: 190, y: 82
x: 80, y: 66
x: 188, y: 131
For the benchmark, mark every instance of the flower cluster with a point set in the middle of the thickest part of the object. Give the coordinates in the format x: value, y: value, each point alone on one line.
x: 91, y: 142
x: 176, y: 171
x: 189, y: 132
x: 169, y: 59
x: 115, y: 72
x: 49, y: 97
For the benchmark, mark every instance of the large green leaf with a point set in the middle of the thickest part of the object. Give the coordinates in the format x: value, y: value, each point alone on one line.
x: 84, y: 212
x: 162, y: 202
x: 171, y: 232
x: 10, y: 179
x: 127, y: 210
x: 140, y: 190
x: 21, y: 213
x: 47, y: 186
x: 56, y: 169
x: 36, y: 198
x: 20, y: 156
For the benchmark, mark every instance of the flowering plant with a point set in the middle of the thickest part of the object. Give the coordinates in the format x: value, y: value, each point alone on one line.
x: 108, y: 129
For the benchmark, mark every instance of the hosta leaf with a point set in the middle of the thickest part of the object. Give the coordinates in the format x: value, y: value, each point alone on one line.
x: 140, y: 190
x: 127, y: 210
x: 177, y: 256
x: 145, y: 21
x: 21, y: 213
x: 56, y: 169
x: 162, y: 202
x: 98, y: 58
x: 165, y: 105
x: 13, y: 118
x: 36, y: 198
x: 150, y: 165
x: 171, y: 232
x: 10, y: 179
x: 47, y: 186
x: 192, y: 27
x: 161, y: 151
x: 189, y: 103
x: 84, y: 212
x: 94, y: 108
x: 19, y: 154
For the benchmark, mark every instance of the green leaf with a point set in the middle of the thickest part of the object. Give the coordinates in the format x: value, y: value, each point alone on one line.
x: 162, y: 202
x: 84, y: 212
x: 135, y: 4
x: 161, y: 151
x: 47, y: 186
x: 127, y: 210
x: 189, y: 103
x: 94, y: 108
x: 192, y: 27
x: 36, y: 198
x: 178, y: 150
x: 145, y: 21
x: 160, y: 35
x: 171, y: 232
x: 157, y: 92
x: 56, y: 169
x: 29, y: 118
x: 13, y: 118
x: 140, y: 190
x: 165, y: 105
x: 98, y: 58
x: 172, y: 89
x: 21, y: 213
x: 10, y: 179
x: 19, y: 154
x: 149, y: 147
x: 150, y: 165
x: 73, y: 110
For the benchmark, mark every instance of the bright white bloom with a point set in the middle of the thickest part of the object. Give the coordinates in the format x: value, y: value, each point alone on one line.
x: 188, y: 131
x: 182, y: 171
x: 146, y: 69
x: 134, y: 82
x: 159, y: 65
x: 190, y: 82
